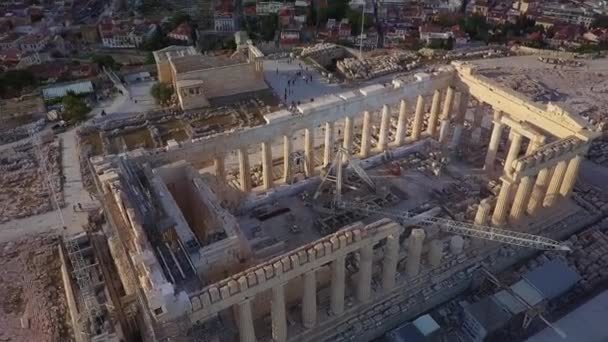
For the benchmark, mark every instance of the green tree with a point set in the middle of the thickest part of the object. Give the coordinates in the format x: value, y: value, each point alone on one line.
x: 13, y: 82
x: 74, y: 108
x: 354, y: 18
x: 161, y: 93
x: 155, y: 42
x: 106, y: 61
x: 268, y: 26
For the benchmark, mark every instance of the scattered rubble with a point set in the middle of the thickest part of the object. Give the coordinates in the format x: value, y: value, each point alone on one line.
x: 23, y: 187
x: 32, y: 298
x: 370, y: 67
x: 21, y: 132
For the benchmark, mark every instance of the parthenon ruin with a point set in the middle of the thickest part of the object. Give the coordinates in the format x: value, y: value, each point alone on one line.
x: 223, y: 230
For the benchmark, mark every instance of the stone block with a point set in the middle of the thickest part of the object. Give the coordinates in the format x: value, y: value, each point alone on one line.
x: 214, y: 293
x: 233, y: 287
x: 286, y: 264
x: 328, y: 247
x: 269, y: 271
x: 342, y: 241
x: 225, y: 292
x: 302, y: 257
x: 357, y: 235
x: 311, y: 254
x: 243, y: 283
x: 254, y: 277
x: 349, y: 237
x: 278, y: 268
x: 205, y: 299
x: 335, y: 243
x: 320, y: 250
x: 196, y: 303
x: 295, y: 261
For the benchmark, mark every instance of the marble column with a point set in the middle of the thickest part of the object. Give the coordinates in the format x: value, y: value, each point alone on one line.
x: 477, y: 123
x: 278, y: 314
x: 535, y: 144
x: 538, y: 191
x: 309, y: 151
x: 500, y: 210
x: 246, y: 328
x: 364, y: 278
x: 309, y: 301
x: 244, y: 175
x: 553, y: 190
x: 418, y: 117
x: 481, y: 219
x: 329, y: 143
x: 267, y: 176
x: 401, y: 123
x: 389, y: 262
x: 414, y: 252
x: 493, y: 145
x: 366, y: 135
x: 460, y: 118
x: 445, y: 115
x: 287, y: 149
x: 513, y: 153
x: 570, y: 176
x: 347, y: 143
x: 219, y: 167
x: 434, y: 114
x: 337, y: 285
x: 385, y: 123
x: 522, y: 197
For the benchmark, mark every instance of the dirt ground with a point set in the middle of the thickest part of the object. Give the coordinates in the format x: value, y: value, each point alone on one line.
x: 31, y: 291
x: 583, y: 89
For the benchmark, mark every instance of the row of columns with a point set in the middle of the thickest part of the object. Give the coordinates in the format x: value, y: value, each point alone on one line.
x: 337, y: 289
x: 533, y: 192
x: 309, y: 138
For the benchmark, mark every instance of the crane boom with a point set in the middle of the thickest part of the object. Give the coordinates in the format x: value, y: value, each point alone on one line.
x: 462, y: 228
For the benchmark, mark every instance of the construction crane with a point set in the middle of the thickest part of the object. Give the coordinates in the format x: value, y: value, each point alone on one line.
x: 335, y: 174
x: 531, y: 312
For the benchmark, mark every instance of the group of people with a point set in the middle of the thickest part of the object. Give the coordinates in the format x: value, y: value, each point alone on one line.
x: 300, y: 74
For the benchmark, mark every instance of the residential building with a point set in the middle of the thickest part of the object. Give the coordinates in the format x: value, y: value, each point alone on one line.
x: 124, y: 33
x: 162, y: 58
x: 183, y: 32
x: 34, y: 42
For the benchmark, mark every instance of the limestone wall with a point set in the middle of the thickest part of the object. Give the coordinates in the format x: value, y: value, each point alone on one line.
x: 253, y: 281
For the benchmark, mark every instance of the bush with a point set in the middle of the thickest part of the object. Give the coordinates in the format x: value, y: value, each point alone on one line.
x: 161, y: 93
x: 74, y: 108
x: 105, y: 61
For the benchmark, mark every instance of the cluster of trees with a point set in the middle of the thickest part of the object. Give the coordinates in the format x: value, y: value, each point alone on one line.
x: 161, y: 93
x: 13, y: 82
x: 263, y: 27
x: 74, y: 108
x: 340, y: 9
x: 105, y: 61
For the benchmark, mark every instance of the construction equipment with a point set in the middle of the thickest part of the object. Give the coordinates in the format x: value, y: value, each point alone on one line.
x: 335, y: 174
x: 531, y: 312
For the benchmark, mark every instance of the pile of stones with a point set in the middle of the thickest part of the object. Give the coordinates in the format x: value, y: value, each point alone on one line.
x: 366, y: 68
x: 21, y: 132
x: 598, y: 153
x: 433, y: 163
x: 320, y: 49
x: 23, y: 187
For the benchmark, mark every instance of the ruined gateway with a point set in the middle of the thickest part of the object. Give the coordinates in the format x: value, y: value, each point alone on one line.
x: 246, y: 255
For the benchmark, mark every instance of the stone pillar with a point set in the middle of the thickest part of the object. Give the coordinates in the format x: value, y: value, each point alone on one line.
x: 278, y: 314
x: 434, y: 114
x: 477, y: 123
x: 309, y: 151
x: 218, y: 166
x: 385, y: 123
x: 418, y: 117
x: 401, y: 124
x: 500, y: 211
x: 521, y: 198
x: 246, y: 329
x: 244, y: 175
x: 435, y: 253
x: 309, y: 301
x: 286, y: 159
x: 337, y: 285
x: 347, y: 143
x: 553, y: 190
x: 538, y: 191
x: 366, y: 135
x: 570, y: 176
x: 414, y: 251
x: 445, y: 115
x: 481, y: 219
x: 329, y: 143
x: 494, y: 143
x: 364, y: 278
x: 535, y: 144
x: 389, y: 263
x: 513, y: 153
x: 267, y: 176
x: 460, y: 118
x: 457, y: 136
